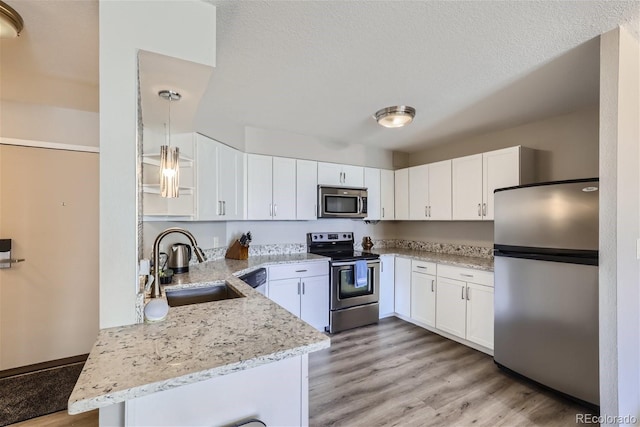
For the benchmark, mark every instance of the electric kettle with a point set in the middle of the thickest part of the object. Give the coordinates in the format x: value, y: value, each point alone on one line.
x: 179, y: 256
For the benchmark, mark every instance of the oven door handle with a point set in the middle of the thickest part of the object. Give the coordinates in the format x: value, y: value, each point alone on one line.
x: 351, y: 263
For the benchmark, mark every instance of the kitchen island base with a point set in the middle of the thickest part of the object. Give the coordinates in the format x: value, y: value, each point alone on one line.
x: 276, y: 393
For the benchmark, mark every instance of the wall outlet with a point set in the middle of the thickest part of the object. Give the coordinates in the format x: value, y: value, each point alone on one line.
x: 144, y: 269
x: 216, y: 242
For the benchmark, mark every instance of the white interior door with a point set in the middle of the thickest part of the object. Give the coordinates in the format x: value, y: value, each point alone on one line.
x: 49, y: 208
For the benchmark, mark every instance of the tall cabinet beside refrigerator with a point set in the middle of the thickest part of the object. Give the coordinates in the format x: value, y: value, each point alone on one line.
x: 546, y: 285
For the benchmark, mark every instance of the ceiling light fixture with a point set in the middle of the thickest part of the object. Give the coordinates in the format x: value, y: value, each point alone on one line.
x: 11, y: 22
x: 395, y: 117
x: 169, y: 156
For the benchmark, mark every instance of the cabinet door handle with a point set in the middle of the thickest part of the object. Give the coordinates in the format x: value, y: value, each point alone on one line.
x: 432, y: 285
x: 270, y: 209
x: 382, y: 212
x: 298, y: 287
x: 468, y: 292
x: 224, y: 207
x: 426, y: 209
x: 429, y: 211
x: 302, y: 288
x: 484, y: 209
x: 421, y: 266
x: 300, y: 271
x: 462, y: 296
x: 275, y: 209
x: 219, y: 211
x: 466, y: 275
x: 381, y: 266
x: 479, y: 210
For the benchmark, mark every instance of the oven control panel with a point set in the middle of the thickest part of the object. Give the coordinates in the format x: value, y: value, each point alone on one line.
x: 330, y: 237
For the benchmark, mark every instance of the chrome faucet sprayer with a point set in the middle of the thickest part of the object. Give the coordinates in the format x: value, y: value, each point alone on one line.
x: 155, y: 293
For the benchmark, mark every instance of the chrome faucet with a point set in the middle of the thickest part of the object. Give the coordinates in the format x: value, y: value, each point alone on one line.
x: 155, y: 293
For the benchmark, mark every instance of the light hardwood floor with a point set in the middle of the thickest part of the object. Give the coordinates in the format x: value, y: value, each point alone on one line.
x: 62, y: 419
x: 397, y: 374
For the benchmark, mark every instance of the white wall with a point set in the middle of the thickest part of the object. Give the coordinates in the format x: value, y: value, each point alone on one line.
x: 48, y: 123
x: 182, y: 29
x: 619, y: 224
x: 286, y: 144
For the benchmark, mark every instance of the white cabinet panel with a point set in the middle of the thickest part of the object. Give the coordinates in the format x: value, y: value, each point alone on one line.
x: 329, y: 174
x: 230, y: 167
x: 340, y: 175
x: 372, y: 183
x: 207, y: 205
x: 306, y: 189
x: 451, y: 306
x: 440, y: 190
x: 387, y: 195
x: 402, y: 194
x: 259, y: 187
x: 387, y: 283
x: 402, y: 275
x: 501, y: 168
x: 286, y: 293
x: 467, y: 187
x: 314, y: 303
x: 418, y: 192
x: 353, y: 176
x: 284, y: 188
x: 480, y: 314
x: 423, y: 298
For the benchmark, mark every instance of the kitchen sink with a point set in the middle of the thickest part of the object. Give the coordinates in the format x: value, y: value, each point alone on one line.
x: 179, y: 297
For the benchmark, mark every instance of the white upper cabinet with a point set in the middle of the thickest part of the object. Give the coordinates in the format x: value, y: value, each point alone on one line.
x: 387, y: 195
x: 271, y: 187
x: 340, y: 175
x: 418, y: 192
x: 219, y: 181
x: 284, y: 188
x: 372, y: 183
x: 402, y: 194
x: 306, y: 189
x: 259, y: 187
x: 476, y: 177
x: 440, y: 190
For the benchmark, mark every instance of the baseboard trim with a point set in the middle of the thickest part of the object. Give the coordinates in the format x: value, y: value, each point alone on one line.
x: 21, y: 370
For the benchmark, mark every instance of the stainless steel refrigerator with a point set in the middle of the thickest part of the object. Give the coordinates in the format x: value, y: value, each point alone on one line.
x: 546, y: 285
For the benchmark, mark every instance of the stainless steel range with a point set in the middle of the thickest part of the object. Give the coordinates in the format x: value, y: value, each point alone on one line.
x: 352, y: 303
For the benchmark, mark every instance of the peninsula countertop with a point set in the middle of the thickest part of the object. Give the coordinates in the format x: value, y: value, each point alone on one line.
x: 195, y: 342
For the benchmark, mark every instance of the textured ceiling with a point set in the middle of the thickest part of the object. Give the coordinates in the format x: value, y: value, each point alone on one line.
x: 321, y: 68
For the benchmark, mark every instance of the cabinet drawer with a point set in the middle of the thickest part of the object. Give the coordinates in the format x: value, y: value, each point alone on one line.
x: 466, y: 274
x: 423, y: 267
x: 287, y: 271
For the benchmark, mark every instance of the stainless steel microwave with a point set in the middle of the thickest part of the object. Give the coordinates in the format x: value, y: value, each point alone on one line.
x: 342, y: 202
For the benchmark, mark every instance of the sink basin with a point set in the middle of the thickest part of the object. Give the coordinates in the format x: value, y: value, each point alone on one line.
x: 179, y: 297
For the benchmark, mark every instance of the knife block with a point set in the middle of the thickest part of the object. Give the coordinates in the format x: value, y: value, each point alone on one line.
x: 237, y: 251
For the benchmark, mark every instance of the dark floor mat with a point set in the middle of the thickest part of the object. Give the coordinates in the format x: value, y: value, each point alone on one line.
x: 31, y: 395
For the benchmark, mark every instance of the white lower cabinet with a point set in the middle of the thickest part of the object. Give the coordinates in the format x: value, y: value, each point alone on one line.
x: 302, y: 289
x: 423, y: 292
x: 465, y: 308
x: 402, y: 275
x: 387, y: 280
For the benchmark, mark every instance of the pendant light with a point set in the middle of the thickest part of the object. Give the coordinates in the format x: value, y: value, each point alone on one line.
x: 10, y: 21
x: 169, y: 156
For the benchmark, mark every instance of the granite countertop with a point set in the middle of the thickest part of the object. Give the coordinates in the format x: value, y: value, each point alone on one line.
x: 441, y: 258
x: 195, y: 342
